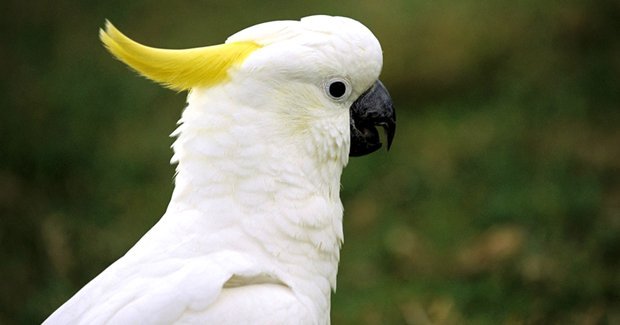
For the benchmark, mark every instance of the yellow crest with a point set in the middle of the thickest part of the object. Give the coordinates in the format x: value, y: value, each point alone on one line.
x: 177, y: 69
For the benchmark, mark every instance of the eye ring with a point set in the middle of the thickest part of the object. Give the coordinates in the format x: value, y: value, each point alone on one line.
x: 337, y: 88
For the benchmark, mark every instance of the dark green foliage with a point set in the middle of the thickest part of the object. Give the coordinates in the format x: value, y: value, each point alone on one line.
x: 498, y: 203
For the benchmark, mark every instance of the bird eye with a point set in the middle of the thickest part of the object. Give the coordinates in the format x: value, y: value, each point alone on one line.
x: 337, y: 88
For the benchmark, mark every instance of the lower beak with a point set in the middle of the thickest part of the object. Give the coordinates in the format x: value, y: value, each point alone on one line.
x: 373, y: 108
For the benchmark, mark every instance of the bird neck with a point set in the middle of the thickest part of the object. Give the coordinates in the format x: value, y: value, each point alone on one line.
x: 242, y: 174
x: 224, y: 149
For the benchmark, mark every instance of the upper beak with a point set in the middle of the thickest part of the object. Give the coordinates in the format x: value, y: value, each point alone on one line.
x: 373, y: 108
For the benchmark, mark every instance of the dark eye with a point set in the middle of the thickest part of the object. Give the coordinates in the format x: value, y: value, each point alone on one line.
x: 337, y: 89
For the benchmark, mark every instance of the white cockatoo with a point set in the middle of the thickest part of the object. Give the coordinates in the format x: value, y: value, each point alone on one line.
x: 253, y: 230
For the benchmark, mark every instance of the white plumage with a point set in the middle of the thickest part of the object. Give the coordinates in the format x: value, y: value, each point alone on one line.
x: 253, y: 230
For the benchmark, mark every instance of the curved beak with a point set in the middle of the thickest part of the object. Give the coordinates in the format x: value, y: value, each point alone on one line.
x: 373, y: 108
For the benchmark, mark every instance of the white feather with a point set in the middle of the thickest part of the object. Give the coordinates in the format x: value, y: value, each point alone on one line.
x: 254, y: 227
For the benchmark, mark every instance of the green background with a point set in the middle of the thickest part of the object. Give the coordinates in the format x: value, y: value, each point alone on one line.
x: 498, y: 204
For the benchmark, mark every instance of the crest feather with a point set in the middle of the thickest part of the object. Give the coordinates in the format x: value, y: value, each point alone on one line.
x: 177, y: 69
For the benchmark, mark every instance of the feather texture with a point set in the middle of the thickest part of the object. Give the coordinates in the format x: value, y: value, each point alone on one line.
x: 253, y: 230
x: 177, y: 69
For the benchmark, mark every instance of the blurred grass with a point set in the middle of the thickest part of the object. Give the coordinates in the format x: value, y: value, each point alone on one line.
x: 498, y: 204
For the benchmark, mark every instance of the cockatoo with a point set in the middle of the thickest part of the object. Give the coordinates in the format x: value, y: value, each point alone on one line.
x: 253, y: 230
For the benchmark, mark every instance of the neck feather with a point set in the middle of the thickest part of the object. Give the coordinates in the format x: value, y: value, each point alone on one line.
x: 241, y: 171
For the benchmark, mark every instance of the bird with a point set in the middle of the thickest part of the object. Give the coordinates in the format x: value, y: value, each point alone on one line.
x: 253, y: 230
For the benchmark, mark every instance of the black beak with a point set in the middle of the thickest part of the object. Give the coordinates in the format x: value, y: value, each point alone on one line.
x: 373, y: 108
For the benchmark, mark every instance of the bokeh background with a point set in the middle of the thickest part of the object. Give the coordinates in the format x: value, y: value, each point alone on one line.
x: 498, y: 204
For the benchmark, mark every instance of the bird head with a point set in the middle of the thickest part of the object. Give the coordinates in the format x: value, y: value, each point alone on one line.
x: 317, y: 77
